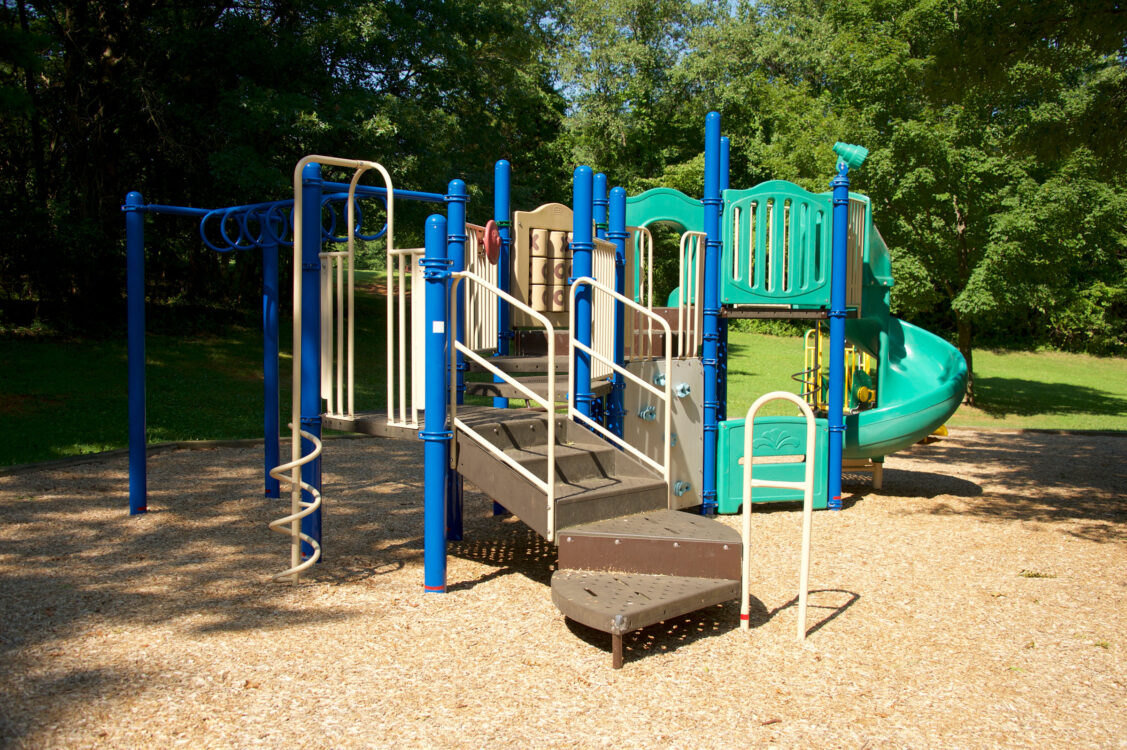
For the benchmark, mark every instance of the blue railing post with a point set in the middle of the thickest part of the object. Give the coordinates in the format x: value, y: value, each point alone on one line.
x: 456, y: 253
x: 270, y: 379
x: 838, y: 270
x: 600, y: 204
x: 618, y: 235
x: 582, y: 244
x: 311, y: 341
x: 711, y: 335
x: 135, y: 314
x: 722, y: 367
x: 435, y: 435
x: 502, y: 181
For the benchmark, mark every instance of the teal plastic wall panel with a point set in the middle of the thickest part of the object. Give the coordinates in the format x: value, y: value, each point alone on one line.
x: 774, y: 436
x: 777, y: 240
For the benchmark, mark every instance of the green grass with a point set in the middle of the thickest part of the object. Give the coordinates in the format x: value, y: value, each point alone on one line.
x: 1016, y: 390
x: 1047, y: 390
x: 63, y: 397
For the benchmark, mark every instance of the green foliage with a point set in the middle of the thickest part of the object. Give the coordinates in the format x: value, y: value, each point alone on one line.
x: 211, y: 104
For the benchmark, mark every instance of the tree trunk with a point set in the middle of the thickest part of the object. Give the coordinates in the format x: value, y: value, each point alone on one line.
x: 965, y: 333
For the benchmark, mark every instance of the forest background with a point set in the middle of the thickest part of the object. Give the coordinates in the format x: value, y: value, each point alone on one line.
x: 998, y: 167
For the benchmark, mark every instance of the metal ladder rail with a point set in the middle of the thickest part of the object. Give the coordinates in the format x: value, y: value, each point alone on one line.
x: 807, y: 487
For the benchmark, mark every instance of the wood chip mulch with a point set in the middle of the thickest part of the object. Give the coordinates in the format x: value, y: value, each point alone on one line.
x: 978, y: 600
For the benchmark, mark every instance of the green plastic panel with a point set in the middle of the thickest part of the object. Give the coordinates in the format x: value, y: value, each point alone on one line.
x: 665, y: 204
x: 774, y: 436
x: 777, y: 246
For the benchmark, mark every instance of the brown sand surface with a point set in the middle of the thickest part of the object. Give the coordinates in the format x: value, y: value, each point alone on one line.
x: 978, y: 600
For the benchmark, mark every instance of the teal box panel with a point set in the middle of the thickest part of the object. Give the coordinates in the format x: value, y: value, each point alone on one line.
x: 775, y: 436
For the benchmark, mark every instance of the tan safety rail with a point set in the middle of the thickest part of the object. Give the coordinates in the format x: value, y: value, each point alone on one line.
x: 547, y: 402
x: 806, y: 486
x: 690, y: 278
x: 605, y: 358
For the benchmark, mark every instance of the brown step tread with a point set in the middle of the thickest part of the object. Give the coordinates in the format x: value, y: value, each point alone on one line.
x: 667, y: 542
x: 519, y: 363
x: 619, y: 603
x: 538, y: 384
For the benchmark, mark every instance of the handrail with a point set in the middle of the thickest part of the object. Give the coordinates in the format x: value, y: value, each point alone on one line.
x: 807, y: 487
x: 665, y: 394
x: 548, y: 484
x: 641, y: 343
x: 689, y: 279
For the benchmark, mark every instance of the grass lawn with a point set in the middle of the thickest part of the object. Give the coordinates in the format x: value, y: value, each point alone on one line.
x: 68, y: 397
x: 1016, y: 390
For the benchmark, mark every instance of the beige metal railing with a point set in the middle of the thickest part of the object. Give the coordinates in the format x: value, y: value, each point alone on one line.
x: 547, y: 402
x: 807, y: 488
x: 665, y: 394
x: 690, y: 277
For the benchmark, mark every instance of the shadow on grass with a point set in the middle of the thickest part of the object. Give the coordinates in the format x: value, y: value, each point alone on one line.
x: 1000, y: 397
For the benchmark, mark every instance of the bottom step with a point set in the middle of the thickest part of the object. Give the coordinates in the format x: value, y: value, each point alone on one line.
x: 619, y: 603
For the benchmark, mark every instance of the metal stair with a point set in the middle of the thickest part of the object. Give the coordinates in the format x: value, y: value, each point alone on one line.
x: 625, y: 560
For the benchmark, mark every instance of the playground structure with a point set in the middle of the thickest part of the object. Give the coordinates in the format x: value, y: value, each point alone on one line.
x: 629, y: 427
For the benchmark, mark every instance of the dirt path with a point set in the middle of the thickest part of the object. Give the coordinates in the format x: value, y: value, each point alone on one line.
x: 979, y: 600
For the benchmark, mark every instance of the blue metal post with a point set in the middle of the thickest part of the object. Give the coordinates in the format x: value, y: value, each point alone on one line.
x: 135, y: 313
x: 502, y: 179
x: 270, y: 379
x: 582, y: 245
x: 600, y: 204
x: 618, y: 235
x: 311, y: 341
x: 836, y: 400
x: 436, y: 437
x: 722, y: 367
x: 711, y: 334
x: 456, y: 253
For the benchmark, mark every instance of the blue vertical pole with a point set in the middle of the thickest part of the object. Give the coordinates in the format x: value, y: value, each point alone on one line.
x: 836, y: 401
x: 270, y: 379
x: 581, y: 246
x: 456, y: 253
x: 436, y: 437
x: 618, y: 235
x: 722, y: 371
x: 135, y: 315
x: 711, y: 334
x: 311, y: 341
x: 600, y: 204
x: 502, y: 180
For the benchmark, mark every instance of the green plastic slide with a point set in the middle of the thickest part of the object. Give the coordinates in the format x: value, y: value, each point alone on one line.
x: 922, y: 382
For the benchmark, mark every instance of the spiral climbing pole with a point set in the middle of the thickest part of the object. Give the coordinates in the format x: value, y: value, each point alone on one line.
x: 290, y: 474
x: 312, y: 351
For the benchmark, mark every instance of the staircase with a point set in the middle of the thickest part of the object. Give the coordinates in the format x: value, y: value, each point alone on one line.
x: 625, y: 560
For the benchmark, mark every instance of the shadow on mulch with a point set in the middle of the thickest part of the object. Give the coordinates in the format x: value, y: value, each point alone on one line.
x: 672, y: 634
x: 1076, y: 481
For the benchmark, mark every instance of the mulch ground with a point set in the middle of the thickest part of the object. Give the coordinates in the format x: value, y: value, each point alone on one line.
x: 978, y: 600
